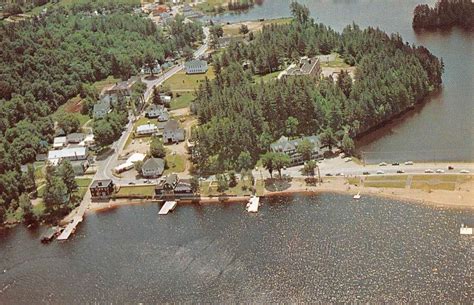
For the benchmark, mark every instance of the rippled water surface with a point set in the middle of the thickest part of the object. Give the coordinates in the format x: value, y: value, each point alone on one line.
x: 326, y: 248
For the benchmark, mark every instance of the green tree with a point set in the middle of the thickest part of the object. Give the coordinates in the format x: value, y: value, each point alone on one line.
x: 3, y: 214
x: 281, y: 161
x: 69, y: 122
x: 103, y: 133
x: 348, y: 144
x: 67, y: 175
x: 268, y: 162
x: 222, y: 183
x: 55, y: 193
x: 291, y: 126
x: 195, y: 184
x: 244, y: 29
x: 138, y: 167
x: 309, y: 168
x: 157, y: 150
x: 25, y: 204
x: 244, y: 161
x: 305, y: 148
x: 299, y: 12
x: 328, y: 138
x: 232, y: 179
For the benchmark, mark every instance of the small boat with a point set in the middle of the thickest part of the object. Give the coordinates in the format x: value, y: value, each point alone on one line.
x: 465, y: 230
x: 357, y: 196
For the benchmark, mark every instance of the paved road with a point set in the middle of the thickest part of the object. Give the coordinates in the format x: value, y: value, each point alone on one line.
x: 105, y: 167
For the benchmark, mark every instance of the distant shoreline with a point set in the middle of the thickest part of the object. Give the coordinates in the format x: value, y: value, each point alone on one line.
x: 463, y: 200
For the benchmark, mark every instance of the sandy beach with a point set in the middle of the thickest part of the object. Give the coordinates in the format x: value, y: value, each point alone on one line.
x: 461, y: 198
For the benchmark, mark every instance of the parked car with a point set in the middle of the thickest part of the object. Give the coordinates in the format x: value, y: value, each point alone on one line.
x: 409, y: 163
x: 450, y: 168
x: 395, y: 164
x: 131, y: 183
x: 429, y: 171
x: 329, y: 174
x: 339, y: 174
x: 439, y: 171
x: 366, y: 173
x: 464, y: 171
x: 400, y: 171
x: 379, y: 172
x: 382, y: 164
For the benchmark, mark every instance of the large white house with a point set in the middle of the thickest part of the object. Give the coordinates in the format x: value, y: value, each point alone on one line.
x: 147, y: 129
x: 196, y: 66
x: 70, y: 153
x: 159, y: 112
x: 172, y: 133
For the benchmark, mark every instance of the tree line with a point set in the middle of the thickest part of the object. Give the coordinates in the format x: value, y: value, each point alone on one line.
x: 445, y: 14
x: 49, y: 59
x: 239, y: 118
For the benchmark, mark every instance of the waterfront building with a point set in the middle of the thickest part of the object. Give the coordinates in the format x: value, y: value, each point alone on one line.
x: 153, y: 167
x: 290, y: 148
x: 102, y: 188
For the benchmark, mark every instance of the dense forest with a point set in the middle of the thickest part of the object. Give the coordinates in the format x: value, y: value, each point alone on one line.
x: 51, y: 58
x: 240, y: 118
x: 445, y: 14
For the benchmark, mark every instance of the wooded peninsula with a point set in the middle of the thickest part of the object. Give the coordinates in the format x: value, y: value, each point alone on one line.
x: 445, y: 14
x: 239, y: 118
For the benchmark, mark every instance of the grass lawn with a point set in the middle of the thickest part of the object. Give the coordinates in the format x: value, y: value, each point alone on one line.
x: 142, y: 190
x: 388, y: 184
x: 40, y: 190
x: 266, y: 77
x: 83, y: 182
x: 337, y: 63
x: 208, y: 188
x: 74, y: 105
x: 39, y: 209
x: 182, y: 101
x: 99, y: 85
x: 428, y: 186
x: 208, y: 6
x: 175, y: 164
x: 387, y: 178
x: 444, y: 178
x: 182, y: 82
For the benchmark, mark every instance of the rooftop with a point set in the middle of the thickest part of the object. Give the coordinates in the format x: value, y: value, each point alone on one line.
x: 102, y: 183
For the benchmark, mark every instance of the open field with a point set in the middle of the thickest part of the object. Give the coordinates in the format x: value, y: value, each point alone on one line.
x: 266, y: 77
x: 182, y: 82
x: 183, y: 101
x: 210, y: 189
x: 333, y: 60
x: 175, y: 164
x: 253, y: 26
x: 140, y: 190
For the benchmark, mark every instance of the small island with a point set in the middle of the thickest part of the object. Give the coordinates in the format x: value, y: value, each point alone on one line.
x: 446, y: 14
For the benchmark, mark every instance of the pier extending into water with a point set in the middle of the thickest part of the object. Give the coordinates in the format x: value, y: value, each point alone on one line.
x: 70, y: 228
x: 167, y: 207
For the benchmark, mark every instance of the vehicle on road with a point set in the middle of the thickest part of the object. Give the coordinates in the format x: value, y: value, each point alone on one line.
x: 366, y: 173
x: 440, y: 171
x: 409, y: 163
x: 339, y: 174
x: 382, y: 164
x: 379, y: 172
x: 347, y: 160
x: 328, y: 174
x: 429, y: 171
x: 400, y: 171
x: 395, y: 164
x: 450, y: 168
x: 131, y: 183
x: 464, y: 171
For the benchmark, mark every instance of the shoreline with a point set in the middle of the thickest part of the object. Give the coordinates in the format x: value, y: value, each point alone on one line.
x: 462, y: 200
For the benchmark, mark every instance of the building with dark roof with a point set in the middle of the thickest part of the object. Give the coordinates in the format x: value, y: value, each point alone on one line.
x: 102, y: 188
x: 290, y: 148
x: 307, y: 67
x: 196, y: 66
x: 153, y: 167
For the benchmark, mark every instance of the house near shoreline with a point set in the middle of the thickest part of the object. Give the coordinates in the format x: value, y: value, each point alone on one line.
x: 310, y: 67
x: 196, y: 66
x: 159, y: 112
x: 102, y: 189
x: 290, y: 148
x: 173, y: 187
x: 153, y: 167
x: 172, y: 133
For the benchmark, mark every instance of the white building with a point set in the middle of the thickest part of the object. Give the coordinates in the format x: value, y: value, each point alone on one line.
x: 147, y: 129
x: 172, y: 133
x: 70, y: 153
x: 59, y: 142
x: 159, y: 112
x: 196, y: 66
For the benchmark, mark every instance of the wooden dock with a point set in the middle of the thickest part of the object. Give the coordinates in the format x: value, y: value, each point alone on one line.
x: 167, y: 207
x: 70, y: 228
x: 252, y: 206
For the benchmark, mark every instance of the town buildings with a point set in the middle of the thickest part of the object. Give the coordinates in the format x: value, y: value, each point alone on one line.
x: 69, y: 153
x: 101, y: 109
x: 173, y: 187
x: 159, y: 112
x: 102, y: 189
x: 153, y: 167
x: 196, y: 66
x: 147, y: 129
x: 290, y: 148
x: 172, y: 133
x: 310, y: 67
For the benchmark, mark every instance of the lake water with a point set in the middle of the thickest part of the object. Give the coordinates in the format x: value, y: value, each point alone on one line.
x: 326, y: 248
x: 443, y: 129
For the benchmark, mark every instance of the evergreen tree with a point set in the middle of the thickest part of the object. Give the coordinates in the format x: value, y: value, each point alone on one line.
x: 67, y: 175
